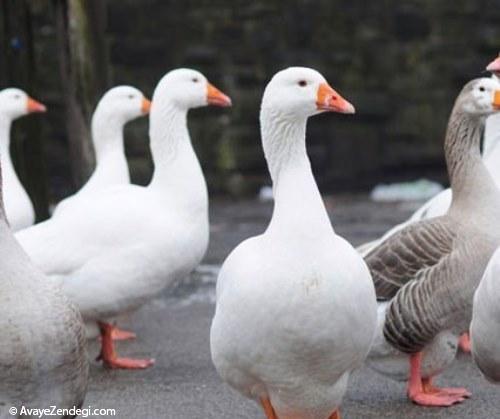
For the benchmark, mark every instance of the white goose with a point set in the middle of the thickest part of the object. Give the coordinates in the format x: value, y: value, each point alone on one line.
x: 118, y: 106
x: 485, y: 325
x: 296, y: 309
x: 440, y: 204
x: 119, y: 250
x: 15, y: 103
x: 43, y: 357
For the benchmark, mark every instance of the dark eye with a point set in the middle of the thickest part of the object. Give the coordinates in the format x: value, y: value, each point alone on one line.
x: 482, y: 89
x: 194, y: 80
x: 130, y: 96
x: 302, y: 83
x: 17, y: 97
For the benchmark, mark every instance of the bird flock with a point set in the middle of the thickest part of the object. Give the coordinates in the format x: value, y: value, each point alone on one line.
x: 298, y: 308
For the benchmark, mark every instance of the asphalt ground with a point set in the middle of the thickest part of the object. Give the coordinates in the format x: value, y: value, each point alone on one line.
x: 174, y: 329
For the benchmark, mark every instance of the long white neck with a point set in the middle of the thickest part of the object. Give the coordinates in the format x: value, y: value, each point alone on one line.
x: 111, y: 162
x: 298, y: 204
x: 177, y: 170
x: 2, y: 207
x: 9, y: 173
x: 491, y: 147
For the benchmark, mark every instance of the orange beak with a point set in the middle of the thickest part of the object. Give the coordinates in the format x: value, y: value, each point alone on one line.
x: 329, y: 100
x: 34, y: 106
x: 494, y: 66
x: 496, y: 99
x: 216, y: 97
x: 145, y: 106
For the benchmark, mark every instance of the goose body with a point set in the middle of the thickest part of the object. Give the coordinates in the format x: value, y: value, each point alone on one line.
x: 429, y: 270
x: 43, y: 359
x: 485, y: 325
x: 168, y: 246
x: 15, y: 103
x: 289, y: 299
x: 115, y: 252
x: 485, y: 330
x: 118, y: 106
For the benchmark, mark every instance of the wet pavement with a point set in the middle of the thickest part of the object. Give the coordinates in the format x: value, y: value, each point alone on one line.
x: 174, y: 329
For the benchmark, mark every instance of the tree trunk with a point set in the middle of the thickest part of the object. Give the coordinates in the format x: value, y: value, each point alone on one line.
x: 83, y: 61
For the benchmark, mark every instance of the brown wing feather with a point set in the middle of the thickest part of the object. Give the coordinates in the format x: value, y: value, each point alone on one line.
x: 406, y: 255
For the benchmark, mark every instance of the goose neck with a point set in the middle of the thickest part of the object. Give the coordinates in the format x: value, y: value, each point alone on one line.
x: 5, y: 156
x: 468, y: 174
x: 169, y: 138
x: 107, y: 136
x: 177, y: 171
x: 2, y: 208
x: 5, y: 125
x: 491, y: 145
x: 297, y: 201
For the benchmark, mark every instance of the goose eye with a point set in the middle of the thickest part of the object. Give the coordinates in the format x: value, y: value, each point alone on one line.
x: 302, y: 83
x: 17, y: 97
x: 130, y: 96
x: 195, y: 80
x: 482, y: 89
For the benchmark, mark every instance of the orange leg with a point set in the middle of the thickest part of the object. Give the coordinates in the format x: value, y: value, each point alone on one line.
x: 271, y: 414
x: 422, y: 392
x: 464, y: 343
x: 268, y: 408
x: 108, y: 354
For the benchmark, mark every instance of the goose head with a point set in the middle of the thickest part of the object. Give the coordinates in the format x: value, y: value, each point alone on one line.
x: 480, y: 97
x: 123, y: 102
x: 15, y: 103
x: 300, y: 92
x: 494, y: 67
x: 188, y: 89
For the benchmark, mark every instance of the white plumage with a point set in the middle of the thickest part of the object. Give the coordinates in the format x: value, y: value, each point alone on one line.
x: 117, y: 250
x: 118, y: 106
x: 296, y: 309
x: 15, y: 103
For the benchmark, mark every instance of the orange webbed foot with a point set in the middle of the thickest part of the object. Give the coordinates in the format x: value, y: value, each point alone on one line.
x: 128, y: 363
x: 108, y: 354
x: 429, y: 388
x: 422, y: 392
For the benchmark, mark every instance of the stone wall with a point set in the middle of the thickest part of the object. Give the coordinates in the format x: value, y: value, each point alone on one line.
x: 401, y: 63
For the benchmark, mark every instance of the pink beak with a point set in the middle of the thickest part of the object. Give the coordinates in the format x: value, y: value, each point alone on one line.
x: 35, y: 106
x: 329, y: 100
x: 494, y: 66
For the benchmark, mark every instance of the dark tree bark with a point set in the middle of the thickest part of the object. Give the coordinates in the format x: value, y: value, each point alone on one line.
x: 83, y: 61
x: 18, y: 70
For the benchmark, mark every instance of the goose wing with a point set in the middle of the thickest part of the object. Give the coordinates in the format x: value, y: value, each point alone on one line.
x: 409, y: 254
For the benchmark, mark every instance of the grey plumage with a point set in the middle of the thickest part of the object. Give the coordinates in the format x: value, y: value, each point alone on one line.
x: 430, y: 270
x: 43, y: 359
